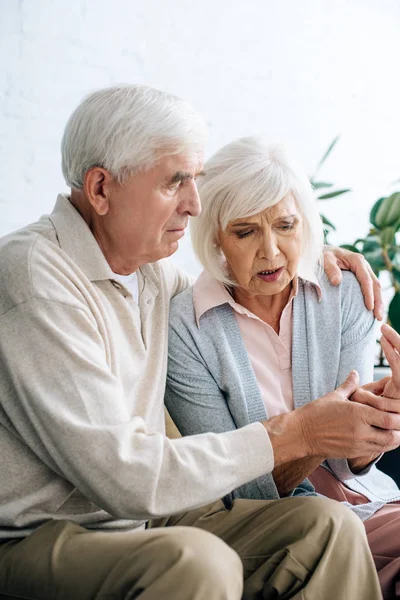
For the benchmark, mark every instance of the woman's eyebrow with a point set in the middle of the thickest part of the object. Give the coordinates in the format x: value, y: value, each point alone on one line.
x: 279, y: 218
x: 286, y: 217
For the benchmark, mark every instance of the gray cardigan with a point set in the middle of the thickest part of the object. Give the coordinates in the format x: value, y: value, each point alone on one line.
x: 211, y: 385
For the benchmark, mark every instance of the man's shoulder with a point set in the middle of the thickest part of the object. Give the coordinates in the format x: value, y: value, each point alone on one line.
x: 169, y: 276
x: 24, y: 257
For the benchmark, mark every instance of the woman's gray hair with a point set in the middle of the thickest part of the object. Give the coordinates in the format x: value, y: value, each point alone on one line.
x: 125, y: 129
x: 242, y: 179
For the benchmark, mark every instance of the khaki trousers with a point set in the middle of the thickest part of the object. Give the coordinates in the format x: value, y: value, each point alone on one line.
x: 302, y: 548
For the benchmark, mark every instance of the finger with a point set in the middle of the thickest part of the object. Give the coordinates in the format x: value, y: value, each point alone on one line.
x: 382, y: 419
x: 382, y: 403
x: 331, y: 267
x: 349, y: 385
x: 384, y: 441
x: 393, y: 359
x: 376, y: 387
x: 391, y: 335
x: 378, y: 300
x: 361, y: 269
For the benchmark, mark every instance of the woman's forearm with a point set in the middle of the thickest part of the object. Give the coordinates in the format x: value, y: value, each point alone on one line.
x: 288, y: 475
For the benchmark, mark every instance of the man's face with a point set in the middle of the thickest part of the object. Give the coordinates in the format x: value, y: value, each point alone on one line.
x: 148, y: 214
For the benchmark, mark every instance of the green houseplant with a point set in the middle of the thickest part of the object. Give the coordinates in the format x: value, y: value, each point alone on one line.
x: 324, y: 189
x: 381, y: 248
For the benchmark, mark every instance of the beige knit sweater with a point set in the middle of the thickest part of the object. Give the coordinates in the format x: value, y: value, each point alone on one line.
x: 82, y: 377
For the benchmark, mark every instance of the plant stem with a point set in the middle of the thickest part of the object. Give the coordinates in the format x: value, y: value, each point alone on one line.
x: 389, y: 267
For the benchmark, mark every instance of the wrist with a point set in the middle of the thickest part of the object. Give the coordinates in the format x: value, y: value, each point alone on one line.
x: 359, y: 464
x: 287, y: 437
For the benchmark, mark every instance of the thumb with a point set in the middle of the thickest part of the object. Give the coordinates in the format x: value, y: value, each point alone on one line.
x: 350, y: 384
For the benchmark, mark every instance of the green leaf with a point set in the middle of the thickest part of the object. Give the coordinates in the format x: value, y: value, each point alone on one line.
x: 327, y: 153
x: 327, y: 222
x: 394, y: 312
x: 371, y: 244
x: 334, y: 194
x: 374, y: 210
x: 372, y: 251
x: 387, y: 236
x: 321, y: 184
x: 396, y: 274
x: 350, y: 247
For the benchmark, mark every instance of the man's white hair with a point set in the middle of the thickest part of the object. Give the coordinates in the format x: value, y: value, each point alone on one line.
x: 125, y: 129
x: 242, y: 179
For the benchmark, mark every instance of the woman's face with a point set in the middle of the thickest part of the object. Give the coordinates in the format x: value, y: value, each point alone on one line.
x: 263, y: 251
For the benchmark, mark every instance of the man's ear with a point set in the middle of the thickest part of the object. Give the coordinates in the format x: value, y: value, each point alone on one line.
x: 97, y: 187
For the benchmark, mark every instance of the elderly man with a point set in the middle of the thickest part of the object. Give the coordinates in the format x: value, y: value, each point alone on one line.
x: 89, y: 480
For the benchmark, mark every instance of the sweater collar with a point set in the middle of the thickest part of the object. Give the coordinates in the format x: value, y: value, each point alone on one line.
x: 208, y: 293
x: 76, y: 239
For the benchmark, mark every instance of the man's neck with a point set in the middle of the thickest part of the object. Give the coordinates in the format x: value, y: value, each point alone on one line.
x: 118, y: 264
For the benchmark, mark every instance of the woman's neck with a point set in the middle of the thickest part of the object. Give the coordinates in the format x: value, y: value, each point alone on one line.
x: 267, y: 308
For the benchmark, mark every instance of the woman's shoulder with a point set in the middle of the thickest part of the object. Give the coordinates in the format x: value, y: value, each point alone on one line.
x: 349, y: 287
x: 181, y: 306
x: 342, y: 303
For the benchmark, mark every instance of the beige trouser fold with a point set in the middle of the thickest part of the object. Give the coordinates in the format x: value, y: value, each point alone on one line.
x: 302, y: 548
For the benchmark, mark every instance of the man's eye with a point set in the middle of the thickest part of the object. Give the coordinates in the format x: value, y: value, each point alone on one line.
x: 174, y: 186
x: 287, y: 227
x: 243, y: 234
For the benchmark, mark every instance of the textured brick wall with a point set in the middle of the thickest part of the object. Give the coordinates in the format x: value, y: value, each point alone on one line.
x: 298, y: 71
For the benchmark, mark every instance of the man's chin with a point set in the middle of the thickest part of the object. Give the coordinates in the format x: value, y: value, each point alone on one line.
x: 167, y: 250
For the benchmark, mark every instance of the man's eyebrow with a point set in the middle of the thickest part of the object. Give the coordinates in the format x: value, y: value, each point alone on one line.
x: 180, y: 176
x: 183, y: 176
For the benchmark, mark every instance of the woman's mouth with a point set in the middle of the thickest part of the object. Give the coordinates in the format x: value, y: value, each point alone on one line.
x: 270, y: 275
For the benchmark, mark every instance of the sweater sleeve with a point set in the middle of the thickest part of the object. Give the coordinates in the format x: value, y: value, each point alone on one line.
x: 197, y: 404
x: 358, y: 339
x: 61, y: 398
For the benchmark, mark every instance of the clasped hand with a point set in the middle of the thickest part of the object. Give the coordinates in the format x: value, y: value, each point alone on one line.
x: 383, y: 395
x: 357, y: 423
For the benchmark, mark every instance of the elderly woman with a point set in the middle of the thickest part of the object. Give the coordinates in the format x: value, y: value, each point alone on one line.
x: 262, y: 332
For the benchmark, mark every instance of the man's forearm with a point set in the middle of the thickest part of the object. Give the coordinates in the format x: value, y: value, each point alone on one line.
x: 288, y: 475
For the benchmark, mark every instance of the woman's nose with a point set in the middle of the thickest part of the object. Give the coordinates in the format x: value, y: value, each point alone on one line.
x: 269, y: 248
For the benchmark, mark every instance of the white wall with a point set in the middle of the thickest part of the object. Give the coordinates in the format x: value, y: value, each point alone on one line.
x: 299, y: 71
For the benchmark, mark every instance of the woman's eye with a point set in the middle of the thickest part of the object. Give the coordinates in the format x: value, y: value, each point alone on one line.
x: 287, y: 227
x: 243, y: 234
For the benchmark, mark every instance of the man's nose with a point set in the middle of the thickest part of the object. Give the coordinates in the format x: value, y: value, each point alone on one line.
x: 191, y: 202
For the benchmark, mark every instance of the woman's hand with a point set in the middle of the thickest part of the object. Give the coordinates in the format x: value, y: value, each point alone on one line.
x: 337, y: 259
x: 390, y: 342
x: 384, y: 394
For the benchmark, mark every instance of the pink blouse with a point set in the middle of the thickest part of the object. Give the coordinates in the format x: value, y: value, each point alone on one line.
x: 269, y: 352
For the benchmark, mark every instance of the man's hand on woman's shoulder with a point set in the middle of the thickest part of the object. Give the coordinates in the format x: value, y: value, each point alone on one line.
x: 337, y: 259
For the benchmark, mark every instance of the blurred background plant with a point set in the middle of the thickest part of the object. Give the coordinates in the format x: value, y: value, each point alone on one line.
x: 321, y: 188
x: 381, y: 246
